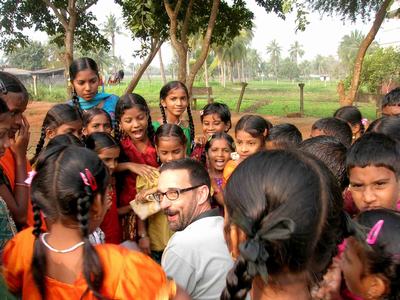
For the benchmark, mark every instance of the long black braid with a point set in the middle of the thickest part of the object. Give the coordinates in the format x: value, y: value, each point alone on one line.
x: 164, y: 116
x: 238, y: 281
x: 91, y: 262
x: 150, y: 129
x: 191, y: 127
x: 117, y: 131
x: 40, y: 144
x: 39, y: 260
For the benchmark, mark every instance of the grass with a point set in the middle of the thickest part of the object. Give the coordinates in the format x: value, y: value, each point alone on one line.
x: 268, y: 97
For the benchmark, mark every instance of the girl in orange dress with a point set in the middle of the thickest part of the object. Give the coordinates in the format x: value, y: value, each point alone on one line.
x: 70, y: 188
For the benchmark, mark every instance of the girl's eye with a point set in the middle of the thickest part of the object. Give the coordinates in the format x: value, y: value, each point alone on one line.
x: 177, y: 151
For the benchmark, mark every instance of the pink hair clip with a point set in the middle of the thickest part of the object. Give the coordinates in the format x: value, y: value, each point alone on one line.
x: 31, y: 174
x: 88, y: 179
x: 364, y: 121
x: 374, y: 232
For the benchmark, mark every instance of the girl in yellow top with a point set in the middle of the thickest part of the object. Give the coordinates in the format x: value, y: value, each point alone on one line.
x: 170, y: 142
x: 250, y: 134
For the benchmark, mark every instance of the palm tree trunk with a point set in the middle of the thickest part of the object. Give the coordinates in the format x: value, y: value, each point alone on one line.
x: 164, y: 79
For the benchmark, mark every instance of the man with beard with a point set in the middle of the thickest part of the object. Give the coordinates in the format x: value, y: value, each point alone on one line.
x: 196, y: 256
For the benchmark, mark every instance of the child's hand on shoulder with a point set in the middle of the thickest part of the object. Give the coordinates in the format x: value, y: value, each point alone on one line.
x: 146, y: 171
x: 200, y: 140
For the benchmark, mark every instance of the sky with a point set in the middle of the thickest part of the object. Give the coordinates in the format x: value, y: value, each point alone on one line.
x: 322, y: 36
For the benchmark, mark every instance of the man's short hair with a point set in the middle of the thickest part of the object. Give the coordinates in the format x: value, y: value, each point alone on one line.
x: 198, y: 175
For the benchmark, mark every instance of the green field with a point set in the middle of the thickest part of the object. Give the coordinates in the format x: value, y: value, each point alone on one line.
x: 266, y: 97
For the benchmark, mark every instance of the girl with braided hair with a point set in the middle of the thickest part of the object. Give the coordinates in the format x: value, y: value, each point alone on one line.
x: 135, y: 134
x: 85, y: 81
x: 285, y: 235
x: 60, y: 119
x: 174, y: 100
x: 14, y: 164
x: 70, y: 188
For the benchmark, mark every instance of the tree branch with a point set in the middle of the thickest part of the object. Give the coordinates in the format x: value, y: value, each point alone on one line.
x: 355, y: 82
x: 178, y: 7
x: 169, y: 10
x: 58, y: 14
x: 205, y: 44
x: 185, y: 26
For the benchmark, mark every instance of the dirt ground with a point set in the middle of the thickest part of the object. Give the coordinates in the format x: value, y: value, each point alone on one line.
x: 36, y: 112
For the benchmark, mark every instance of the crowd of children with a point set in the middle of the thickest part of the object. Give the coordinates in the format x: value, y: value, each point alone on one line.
x: 305, y: 217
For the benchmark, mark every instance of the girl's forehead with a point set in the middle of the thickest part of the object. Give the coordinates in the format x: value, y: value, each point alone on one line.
x: 212, y: 116
x: 177, y: 90
x: 134, y: 110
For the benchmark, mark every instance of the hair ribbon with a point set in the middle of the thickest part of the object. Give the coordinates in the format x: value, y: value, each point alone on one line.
x: 88, y: 179
x: 31, y: 174
x: 254, y: 249
x: 374, y: 232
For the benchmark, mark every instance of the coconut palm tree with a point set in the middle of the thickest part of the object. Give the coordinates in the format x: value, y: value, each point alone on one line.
x: 111, y: 29
x: 295, y: 52
x: 274, y: 50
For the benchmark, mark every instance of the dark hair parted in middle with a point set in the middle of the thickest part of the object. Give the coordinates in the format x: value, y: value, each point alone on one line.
x: 100, y: 140
x: 58, y: 115
x: 374, y: 149
x: 164, y: 93
x: 129, y: 101
x: 292, y: 225
x: 198, y: 175
x: 170, y: 130
x: 254, y: 125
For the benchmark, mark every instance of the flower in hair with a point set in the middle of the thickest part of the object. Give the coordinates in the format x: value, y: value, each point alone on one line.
x: 364, y: 121
x: 88, y: 179
x: 31, y: 174
x: 374, y: 232
x: 235, y: 156
x: 201, y: 112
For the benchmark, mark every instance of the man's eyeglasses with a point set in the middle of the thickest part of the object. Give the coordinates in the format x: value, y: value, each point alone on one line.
x: 173, y: 193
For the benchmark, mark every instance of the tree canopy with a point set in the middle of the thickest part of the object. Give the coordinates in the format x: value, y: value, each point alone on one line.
x: 39, y: 15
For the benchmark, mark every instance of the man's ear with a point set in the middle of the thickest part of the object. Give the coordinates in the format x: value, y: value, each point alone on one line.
x: 202, y: 195
x: 375, y: 286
